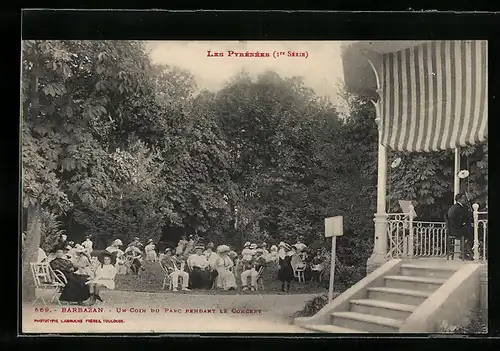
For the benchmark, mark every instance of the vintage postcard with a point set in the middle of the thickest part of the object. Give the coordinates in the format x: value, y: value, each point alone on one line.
x: 254, y: 186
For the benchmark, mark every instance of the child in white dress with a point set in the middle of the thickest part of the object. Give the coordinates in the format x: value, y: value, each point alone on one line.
x: 104, y: 276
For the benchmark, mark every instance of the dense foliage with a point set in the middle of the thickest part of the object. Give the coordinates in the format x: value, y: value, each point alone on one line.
x: 119, y: 147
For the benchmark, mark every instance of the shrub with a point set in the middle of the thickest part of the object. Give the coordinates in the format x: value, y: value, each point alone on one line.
x: 313, y: 306
x: 476, y: 324
x: 345, y: 277
x: 51, y: 230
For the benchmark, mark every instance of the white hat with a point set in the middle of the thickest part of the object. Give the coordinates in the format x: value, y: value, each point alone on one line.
x: 259, y: 251
x: 274, y: 248
x: 223, y: 248
x: 117, y: 242
x: 282, y: 244
x: 79, y: 248
x: 247, y: 244
x: 253, y: 246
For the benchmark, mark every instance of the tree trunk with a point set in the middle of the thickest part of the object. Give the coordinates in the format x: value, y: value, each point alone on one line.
x: 33, y: 232
x: 30, y: 253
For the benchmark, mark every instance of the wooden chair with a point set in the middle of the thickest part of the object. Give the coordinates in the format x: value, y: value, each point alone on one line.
x: 260, y: 279
x: 47, y: 279
x: 60, y: 281
x: 167, y: 280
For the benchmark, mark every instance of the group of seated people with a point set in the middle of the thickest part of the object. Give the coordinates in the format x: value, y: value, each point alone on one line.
x: 131, y: 259
x: 199, y: 266
x: 85, y: 273
x: 191, y: 264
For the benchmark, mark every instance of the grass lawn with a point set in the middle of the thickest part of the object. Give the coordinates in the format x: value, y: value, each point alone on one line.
x: 151, y: 280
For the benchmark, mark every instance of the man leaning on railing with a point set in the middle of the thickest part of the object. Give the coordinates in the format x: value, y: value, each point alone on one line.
x: 460, y: 221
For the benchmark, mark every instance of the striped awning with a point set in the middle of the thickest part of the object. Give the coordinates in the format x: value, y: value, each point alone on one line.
x: 434, y: 96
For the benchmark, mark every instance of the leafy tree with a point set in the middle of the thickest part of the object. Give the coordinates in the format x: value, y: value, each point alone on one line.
x: 75, y: 105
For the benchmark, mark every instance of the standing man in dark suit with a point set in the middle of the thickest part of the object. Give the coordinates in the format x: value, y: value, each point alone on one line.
x: 460, y: 223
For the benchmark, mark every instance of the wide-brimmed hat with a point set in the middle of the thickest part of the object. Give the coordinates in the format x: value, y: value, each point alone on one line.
x: 223, y: 248
x: 247, y: 244
x: 253, y: 246
x: 80, y: 249
x: 168, y: 249
x: 274, y: 248
x: 150, y: 240
x: 199, y: 247
x: 117, y: 242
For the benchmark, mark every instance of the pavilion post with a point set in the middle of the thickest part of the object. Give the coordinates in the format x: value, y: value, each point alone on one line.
x: 456, y: 179
x: 379, y: 254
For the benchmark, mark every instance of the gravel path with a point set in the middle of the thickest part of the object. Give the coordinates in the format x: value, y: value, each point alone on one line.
x: 177, y: 312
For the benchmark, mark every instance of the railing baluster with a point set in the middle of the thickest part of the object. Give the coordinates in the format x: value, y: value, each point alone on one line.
x: 476, y: 237
x: 485, y: 238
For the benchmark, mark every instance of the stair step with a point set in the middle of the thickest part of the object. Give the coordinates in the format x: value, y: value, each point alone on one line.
x: 383, y: 308
x: 327, y: 328
x: 385, y: 304
x: 413, y: 283
x: 422, y: 266
x: 427, y: 270
x: 403, y: 296
x: 366, y: 322
x: 417, y: 279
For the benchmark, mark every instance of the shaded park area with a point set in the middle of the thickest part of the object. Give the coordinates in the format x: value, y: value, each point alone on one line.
x: 115, y: 146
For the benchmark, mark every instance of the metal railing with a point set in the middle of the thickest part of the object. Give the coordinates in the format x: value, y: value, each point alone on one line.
x: 480, y: 234
x: 408, y: 238
x: 429, y: 239
x: 397, y: 227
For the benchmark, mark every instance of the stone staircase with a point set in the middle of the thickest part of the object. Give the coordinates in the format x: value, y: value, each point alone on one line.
x: 385, y: 308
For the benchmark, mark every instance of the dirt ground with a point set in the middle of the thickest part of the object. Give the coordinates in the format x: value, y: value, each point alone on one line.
x: 168, y: 312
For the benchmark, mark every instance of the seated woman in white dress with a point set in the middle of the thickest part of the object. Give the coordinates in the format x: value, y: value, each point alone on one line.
x: 104, y: 276
x: 296, y: 261
x: 225, y: 278
x: 114, y: 249
x: 150, y: 249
